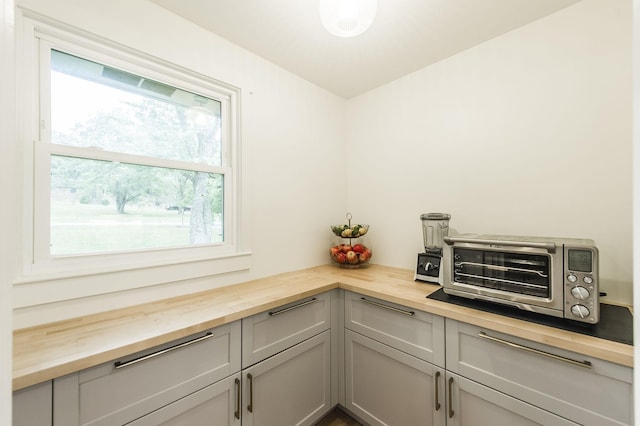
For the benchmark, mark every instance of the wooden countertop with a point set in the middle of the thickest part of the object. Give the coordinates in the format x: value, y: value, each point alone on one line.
x: 52, y: 350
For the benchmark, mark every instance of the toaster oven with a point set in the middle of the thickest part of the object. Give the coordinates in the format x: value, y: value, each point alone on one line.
x: 552, y: 276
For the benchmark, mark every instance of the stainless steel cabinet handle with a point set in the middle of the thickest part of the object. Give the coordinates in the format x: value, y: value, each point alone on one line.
x: 250, y: 405
x: 451, y: 412
x: 391, y: 308
x: 437, y: 382
x: 585, y: 364
x: 290, y: 308
x: 237, y: 412
x: 119, y: 364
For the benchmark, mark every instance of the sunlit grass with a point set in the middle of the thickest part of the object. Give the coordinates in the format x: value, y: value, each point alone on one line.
x: 89, y: 228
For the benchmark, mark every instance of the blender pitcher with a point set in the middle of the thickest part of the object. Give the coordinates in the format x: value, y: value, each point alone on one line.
x: 435, y: 226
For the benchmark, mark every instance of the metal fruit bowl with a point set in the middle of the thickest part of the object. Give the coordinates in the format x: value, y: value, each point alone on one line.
x: 348, y: 256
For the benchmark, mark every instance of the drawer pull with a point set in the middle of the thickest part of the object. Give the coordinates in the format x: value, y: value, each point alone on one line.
x: 237, y: 412
x: 291, y: 308
x: 584, y: 364
x: 451, y: 412
x: 437, y: 382
x: 391, y: 308
x: 250, y: 405
x: 119, y: 364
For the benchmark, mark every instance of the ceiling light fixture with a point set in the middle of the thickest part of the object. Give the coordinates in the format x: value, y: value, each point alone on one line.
x: 347, y: 18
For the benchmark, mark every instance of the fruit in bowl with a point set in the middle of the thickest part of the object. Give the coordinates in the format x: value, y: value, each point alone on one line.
x: 350, y: 256
x: 348, y: 231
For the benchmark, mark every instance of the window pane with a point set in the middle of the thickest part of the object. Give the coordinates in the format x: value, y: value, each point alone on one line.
x: 99, y: 106
x: 102, y: 206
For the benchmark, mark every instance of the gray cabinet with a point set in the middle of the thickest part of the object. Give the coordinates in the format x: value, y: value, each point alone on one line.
x: 287, y: 358
x: 32, y: 406
x: 393, y: 363
x: 119, y: 392
x: 395, y: 375
x: 287, y: 363
x: 385, y: 386
x: 586, y: 390
x: 290, y: 388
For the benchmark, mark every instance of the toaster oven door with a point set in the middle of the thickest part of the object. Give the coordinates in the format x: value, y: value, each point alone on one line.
x: 521, y: 275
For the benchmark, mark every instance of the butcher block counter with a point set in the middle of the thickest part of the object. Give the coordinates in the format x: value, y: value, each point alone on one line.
x: 53, y: 350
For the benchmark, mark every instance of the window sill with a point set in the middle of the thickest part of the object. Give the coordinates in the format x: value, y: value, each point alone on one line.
x: 36, y: 289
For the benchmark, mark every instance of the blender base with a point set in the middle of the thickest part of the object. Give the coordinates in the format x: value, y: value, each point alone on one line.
x: 428, y: 268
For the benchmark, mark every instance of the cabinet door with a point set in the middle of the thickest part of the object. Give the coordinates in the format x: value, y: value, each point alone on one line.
x: 33, y: 406
x: 584, y: 389
x: 472, y: 404
x: 412, y: 331
x: 270, y: 332
x: 218, y: 404
x: 125, y: 390
x: 290, y: 388
x: 385, y: 386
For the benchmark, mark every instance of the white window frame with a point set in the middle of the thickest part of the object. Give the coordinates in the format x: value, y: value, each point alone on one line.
x: 38, y: 38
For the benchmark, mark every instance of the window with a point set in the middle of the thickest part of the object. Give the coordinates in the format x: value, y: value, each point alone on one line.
x: 134, y: 160
x: 135, y: 163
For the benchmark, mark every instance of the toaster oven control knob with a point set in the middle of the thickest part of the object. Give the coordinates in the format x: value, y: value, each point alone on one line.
x: 587, y: 279
x: 580, y: 292
x: 580, y: 311
x: 572, y: 278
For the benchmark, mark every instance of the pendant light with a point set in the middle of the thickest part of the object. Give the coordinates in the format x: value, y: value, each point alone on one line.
x: 347, y: 18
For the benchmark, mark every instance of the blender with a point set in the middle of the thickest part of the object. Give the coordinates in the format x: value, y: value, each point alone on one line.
x: 435, y: 226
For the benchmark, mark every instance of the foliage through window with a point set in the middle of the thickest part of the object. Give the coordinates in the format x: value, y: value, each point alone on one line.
x: 134, y: 163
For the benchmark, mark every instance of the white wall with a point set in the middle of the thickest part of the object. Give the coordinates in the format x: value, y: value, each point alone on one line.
x: 293, y: 138
x: 8, y: 217
x: 526, y: 134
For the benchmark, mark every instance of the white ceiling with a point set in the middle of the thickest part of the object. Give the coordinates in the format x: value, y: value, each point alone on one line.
x: 407, y: 34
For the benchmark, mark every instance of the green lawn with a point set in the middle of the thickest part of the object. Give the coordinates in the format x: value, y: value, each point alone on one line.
x: 87, y: 228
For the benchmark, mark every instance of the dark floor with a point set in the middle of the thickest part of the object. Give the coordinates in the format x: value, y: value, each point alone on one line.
x: 338, y: 417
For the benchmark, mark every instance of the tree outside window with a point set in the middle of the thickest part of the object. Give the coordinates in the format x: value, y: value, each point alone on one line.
x: 134, y: 164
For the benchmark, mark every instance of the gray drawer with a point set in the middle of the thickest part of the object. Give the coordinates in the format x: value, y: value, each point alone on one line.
x: 270, y: 332
x: 126, y: 389
x: 417, y: 333
x: 586, y: 390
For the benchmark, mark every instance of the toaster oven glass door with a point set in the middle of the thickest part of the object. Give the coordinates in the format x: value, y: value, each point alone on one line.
x: 521, y: 273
